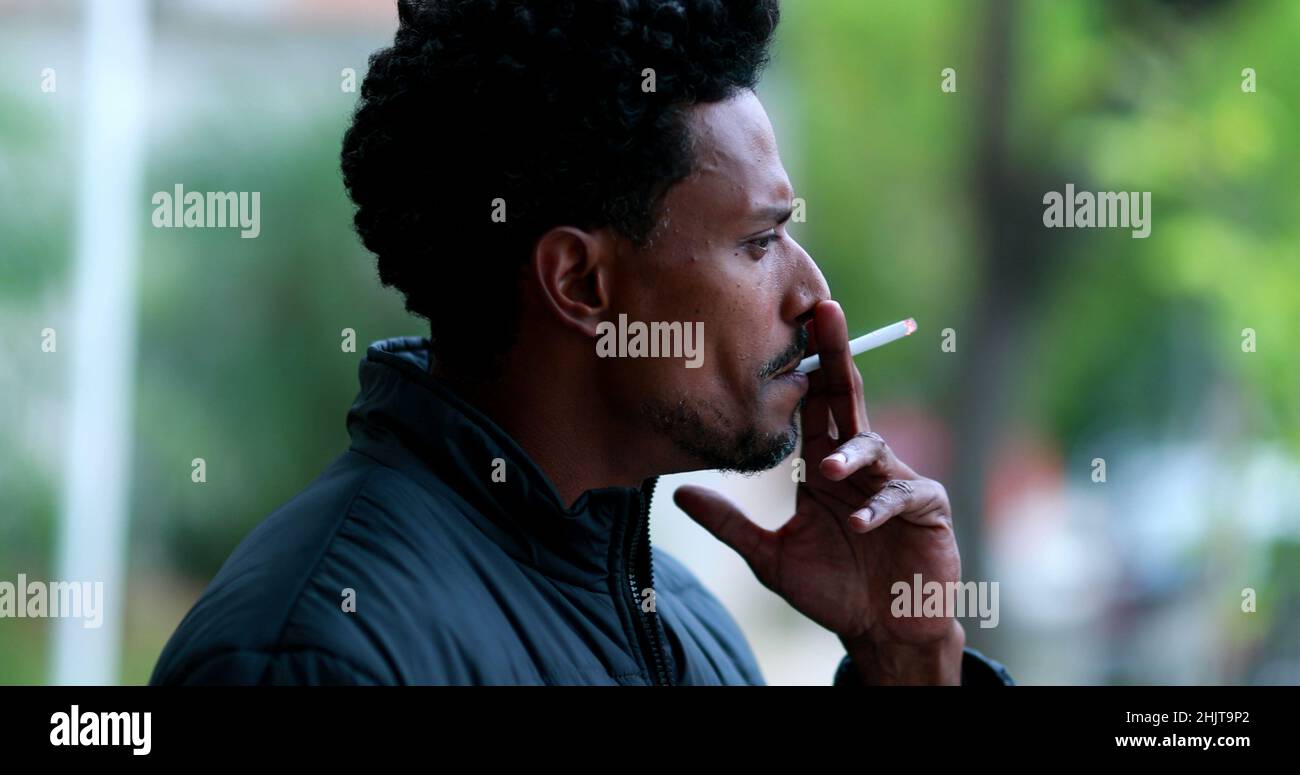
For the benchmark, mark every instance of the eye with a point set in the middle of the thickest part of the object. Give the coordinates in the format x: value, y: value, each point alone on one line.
x: 760, y: 244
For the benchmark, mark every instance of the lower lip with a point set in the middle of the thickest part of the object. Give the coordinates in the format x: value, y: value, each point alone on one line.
x: 797, y: 379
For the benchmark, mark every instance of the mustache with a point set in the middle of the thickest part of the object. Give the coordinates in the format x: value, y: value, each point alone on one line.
x: 783, y: 359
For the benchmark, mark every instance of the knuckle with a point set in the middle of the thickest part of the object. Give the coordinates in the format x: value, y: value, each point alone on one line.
x: 900, y: 490
x: 873, y: 446
x: 891, y: 494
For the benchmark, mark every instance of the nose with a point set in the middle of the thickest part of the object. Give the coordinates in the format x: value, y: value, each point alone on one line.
x: 808, y: 287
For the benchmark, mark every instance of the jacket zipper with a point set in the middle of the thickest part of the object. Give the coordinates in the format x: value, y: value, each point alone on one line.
x: 648, y: 629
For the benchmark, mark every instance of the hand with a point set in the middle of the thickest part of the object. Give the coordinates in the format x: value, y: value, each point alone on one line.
x: 863, y: 520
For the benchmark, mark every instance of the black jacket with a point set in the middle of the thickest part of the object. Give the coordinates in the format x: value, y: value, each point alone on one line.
x: 452, y: 577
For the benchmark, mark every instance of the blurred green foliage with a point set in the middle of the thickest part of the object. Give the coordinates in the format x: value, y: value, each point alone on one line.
x: 1110, y: 96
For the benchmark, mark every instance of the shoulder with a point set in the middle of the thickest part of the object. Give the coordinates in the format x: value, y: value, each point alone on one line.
x: 320, y: 591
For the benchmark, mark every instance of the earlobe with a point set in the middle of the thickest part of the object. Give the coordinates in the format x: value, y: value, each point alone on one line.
x: 571, y: 267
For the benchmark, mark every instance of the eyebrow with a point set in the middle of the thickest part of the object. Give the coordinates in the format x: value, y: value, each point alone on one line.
x: 779, y: 213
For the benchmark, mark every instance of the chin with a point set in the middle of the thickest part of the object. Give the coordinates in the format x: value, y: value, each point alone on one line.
x: 775, y: 446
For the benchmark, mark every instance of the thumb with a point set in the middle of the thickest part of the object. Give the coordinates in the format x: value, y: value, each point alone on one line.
x: 718, y: 515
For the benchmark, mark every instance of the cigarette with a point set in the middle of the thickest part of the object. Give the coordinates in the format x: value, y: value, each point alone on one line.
x: 881, y: 336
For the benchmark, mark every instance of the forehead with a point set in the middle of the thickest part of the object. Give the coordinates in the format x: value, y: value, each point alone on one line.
x: 737, y: 168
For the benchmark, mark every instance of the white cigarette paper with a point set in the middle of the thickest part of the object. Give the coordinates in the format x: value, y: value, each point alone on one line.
x: 881, y: 336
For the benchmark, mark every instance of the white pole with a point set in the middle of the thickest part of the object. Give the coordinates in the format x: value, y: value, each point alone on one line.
x: 92, y: 541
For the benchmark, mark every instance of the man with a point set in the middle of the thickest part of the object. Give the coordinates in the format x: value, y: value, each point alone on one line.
x: 529, y: 174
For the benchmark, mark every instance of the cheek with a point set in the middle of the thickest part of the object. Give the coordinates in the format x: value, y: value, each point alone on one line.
x: 711, y: 384
x: 668, y: 379
x: 695, y: 373
x: 730, y: 294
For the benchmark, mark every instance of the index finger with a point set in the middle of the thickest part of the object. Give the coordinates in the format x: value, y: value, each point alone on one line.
x: 837, y: 384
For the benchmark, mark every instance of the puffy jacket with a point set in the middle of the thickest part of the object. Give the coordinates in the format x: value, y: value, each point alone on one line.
x: 434, y: 551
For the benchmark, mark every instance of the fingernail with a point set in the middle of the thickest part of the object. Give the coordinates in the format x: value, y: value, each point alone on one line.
x: 841, y: 457
x: 860, y: 520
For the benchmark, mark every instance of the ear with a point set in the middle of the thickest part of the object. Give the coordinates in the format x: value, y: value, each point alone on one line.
x: 572, y: 268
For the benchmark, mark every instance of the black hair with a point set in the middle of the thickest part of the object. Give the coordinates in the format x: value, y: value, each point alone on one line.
x: 543, y: 104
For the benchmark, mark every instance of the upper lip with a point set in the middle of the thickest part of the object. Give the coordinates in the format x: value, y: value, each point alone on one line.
x: 790, y: 366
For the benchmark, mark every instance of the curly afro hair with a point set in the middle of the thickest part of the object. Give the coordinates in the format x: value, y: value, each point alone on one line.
x: 539, y: 103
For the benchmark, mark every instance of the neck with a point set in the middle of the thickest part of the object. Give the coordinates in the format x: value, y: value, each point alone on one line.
x: 561, y: 423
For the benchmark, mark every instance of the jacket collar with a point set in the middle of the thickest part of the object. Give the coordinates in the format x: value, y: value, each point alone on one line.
x: 408, y: 419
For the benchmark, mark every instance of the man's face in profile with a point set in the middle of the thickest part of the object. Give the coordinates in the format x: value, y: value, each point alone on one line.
x: 721, y: 255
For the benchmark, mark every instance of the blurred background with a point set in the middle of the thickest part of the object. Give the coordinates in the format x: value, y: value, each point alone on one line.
x: 1071, y: 345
